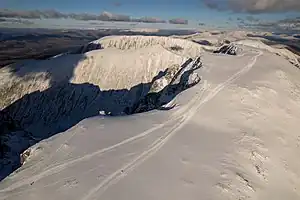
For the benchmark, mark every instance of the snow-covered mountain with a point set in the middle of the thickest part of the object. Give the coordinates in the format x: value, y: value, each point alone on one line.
x: 218, y: 127
x: 127, y: 75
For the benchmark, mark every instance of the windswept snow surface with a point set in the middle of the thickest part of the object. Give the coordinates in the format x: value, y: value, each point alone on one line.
x: 234, y: 136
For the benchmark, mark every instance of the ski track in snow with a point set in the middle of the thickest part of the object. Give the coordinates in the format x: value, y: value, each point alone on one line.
x: 159, y: 143
x: 60, y: 167
x: 190, y: 109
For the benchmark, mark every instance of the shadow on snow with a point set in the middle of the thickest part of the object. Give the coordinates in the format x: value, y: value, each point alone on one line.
x: 42, y: 114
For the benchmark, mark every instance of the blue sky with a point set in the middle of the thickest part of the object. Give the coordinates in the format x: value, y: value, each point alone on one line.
x: 189, y: 9
x: 158, y: 8
x: 194, y: 10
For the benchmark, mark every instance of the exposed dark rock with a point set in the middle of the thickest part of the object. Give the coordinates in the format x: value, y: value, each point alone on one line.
x: 176, y: 79
x: 226, y: 42
x: 230, y: 49
x: 176, y: 48
x: 203, y: 42
x: 86, y: 48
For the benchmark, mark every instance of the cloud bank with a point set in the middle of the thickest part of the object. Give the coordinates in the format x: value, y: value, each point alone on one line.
x: 107, y: 16
x: 149, y: 20
x: 16, y: 21
x: 178, y: 21
x: 255, y: 6
x: 31, y: 14
x: 38, y: 14
x: 104, y: 16
x: 289, y: 25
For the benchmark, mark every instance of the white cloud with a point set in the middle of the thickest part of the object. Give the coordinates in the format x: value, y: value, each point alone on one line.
x: 255, y: 6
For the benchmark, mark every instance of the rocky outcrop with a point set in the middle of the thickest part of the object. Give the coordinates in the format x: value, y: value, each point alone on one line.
x: 203, y: 42
x: 86, y: 48
x: 13, y: 141
x: 229, y: 49
x: 175, y: 80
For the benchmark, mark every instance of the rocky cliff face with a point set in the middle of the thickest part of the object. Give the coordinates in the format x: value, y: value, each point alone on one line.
x: 164, y: 89
x: 230, y: 49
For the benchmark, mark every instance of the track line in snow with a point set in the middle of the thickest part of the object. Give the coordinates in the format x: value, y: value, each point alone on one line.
x: 89, y: 61
x: 159, y: 143
x: 53, y: 170
x: 154, y: 147
x: 60, y: 167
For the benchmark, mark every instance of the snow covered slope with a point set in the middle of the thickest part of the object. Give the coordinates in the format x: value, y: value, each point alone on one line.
x: 188, y: 48
x: 234, y: 136
x: 287, y: 54
x: 242, y: 38
x: 41, y: 98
